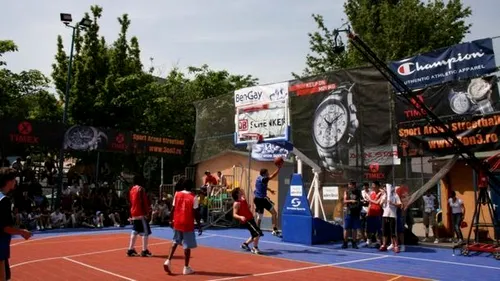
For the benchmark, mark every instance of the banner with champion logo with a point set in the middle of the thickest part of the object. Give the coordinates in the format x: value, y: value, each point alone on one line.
x: 461, y: 61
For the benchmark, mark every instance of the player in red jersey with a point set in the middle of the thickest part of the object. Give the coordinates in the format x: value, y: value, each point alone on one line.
x: 242, y: 212
x: 184, y: 212
x: 140, y: 207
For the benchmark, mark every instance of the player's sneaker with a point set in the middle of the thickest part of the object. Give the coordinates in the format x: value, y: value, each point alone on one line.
x: 146, y: 253
x: 245, y: 247
x: 166, y: 267
x: 256, y: 251
x: 132, y: 253
x: 402, y: 248
x: 354, y: 245
x: 187, y: 270
x: 277, y: 233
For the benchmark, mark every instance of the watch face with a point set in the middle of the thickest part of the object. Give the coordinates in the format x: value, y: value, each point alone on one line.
x: 478, y: 88
x: 81, y: 136
x: 330, y: 123
x: 459, y: 103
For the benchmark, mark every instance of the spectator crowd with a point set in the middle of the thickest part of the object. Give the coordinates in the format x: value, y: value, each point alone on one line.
x: 81, y: 204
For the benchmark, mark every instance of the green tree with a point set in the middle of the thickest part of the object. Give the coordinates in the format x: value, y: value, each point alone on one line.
x: 108, y: 88
x: 394, y: 29
x: 6, y: 46
x: 111, y: 89
x: 25, y: 94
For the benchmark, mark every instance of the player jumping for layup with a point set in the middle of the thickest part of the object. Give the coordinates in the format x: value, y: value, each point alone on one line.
x: 261, y: 201
x: 139, y: 209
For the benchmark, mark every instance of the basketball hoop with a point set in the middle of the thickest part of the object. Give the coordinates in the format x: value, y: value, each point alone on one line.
x: 253, y: 138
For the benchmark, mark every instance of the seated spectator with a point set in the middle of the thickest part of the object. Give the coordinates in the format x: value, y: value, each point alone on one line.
x: 27, y: 221
x: 32, y: 221
x: 98, y: 219
x: 123, y: 206
x: 203, y: 204
x: 221, y: 179
x: 114, y: 208
x: 161, y: 212
x: 16, y: 216
x: 41, y: 218
x: 58, y: 219
x: 82, y: 217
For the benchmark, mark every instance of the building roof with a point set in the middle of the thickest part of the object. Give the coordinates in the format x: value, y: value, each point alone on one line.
x: 243, y: 153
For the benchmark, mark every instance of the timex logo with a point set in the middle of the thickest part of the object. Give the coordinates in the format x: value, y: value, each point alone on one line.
x: 374, y: 172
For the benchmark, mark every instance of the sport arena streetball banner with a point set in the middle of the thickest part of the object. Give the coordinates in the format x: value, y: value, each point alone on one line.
x: 476, y: 132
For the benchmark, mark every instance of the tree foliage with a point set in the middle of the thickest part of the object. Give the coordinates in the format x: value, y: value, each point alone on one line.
x: 394, y: 29
x: 25, y: 95
x: 111, y: 89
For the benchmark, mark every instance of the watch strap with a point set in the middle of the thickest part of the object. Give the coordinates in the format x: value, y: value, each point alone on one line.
x: 329, y: 159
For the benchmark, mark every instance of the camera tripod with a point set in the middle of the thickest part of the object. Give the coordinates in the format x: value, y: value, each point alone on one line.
x: 483, y: 198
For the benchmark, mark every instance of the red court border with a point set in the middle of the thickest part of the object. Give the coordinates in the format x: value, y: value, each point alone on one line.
x: 72, y: 257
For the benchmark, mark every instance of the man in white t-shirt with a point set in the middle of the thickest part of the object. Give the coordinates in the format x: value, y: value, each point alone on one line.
x: 390, y: 204
x: 58, y: 219
x: 429, y: 219
x: 458, y: 213
x: 365, y: 199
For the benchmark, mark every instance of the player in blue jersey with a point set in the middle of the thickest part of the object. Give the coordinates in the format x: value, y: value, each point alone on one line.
x: 7, y: 229
x: 262, y: 201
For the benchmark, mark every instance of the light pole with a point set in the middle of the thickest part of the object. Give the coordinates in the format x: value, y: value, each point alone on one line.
x: 67, y: 19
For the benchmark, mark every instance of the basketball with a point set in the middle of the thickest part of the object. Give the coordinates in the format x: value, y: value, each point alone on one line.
x: 278, y: 161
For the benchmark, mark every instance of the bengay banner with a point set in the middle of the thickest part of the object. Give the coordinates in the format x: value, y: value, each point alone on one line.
x: 261, y: 94
x: 269, y: 121
x: 338, y: 112
x: 470, y: 96
x: 268, y: 152
x: 460, y: 61
x: 476, y: 132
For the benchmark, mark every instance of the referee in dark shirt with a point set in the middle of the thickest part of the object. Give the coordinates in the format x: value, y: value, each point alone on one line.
x: 7, y: 229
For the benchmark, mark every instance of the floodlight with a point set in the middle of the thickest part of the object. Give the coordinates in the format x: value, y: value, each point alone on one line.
x: 85, y: 22
x: 66, y: 18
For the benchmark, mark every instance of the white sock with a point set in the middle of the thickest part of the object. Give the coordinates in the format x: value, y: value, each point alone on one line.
x: 426, y: 231
x: 133, y: 236
x: 145, y: 242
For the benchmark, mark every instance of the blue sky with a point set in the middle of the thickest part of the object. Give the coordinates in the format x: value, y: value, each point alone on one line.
x: 267, y: 39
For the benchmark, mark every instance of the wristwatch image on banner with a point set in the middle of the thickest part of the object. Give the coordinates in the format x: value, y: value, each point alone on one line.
x: 334, y: 126
x: 475, y: 99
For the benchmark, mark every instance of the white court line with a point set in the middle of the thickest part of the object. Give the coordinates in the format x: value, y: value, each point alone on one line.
x: 364, y: 253
x: 33, y: 239
x: 99, y: 269
x: 298, y: 269
x: 93, y: 253
x: 68, y: 241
